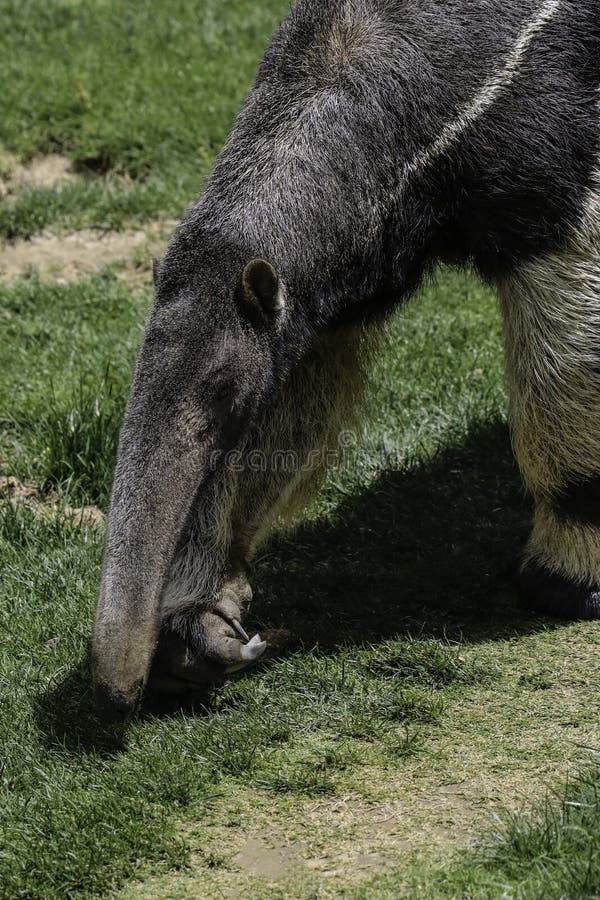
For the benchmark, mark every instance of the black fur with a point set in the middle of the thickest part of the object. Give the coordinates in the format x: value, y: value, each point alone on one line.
x: 346, y: 234
x: 554, y: 595
x: 579, y: 501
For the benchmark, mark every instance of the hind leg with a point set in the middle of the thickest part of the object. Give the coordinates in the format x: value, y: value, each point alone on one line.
x: 552, y: 321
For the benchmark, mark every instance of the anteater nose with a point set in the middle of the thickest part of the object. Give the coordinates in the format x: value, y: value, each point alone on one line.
x: 114, y: 707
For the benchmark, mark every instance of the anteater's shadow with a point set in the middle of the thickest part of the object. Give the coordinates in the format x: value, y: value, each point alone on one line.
x: 424, y: 551
x: 66, y: 717
x: 430, y: 550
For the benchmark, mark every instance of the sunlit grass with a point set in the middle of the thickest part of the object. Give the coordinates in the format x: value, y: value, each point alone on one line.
x: 387, y: 588
x: 142, y: 92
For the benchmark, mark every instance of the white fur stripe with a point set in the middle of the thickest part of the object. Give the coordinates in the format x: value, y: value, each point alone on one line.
x: 492, y: 88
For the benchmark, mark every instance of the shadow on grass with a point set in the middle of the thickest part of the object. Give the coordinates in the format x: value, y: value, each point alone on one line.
x: 66, y: 717
x: 423, y: 552
x: 429, y: 550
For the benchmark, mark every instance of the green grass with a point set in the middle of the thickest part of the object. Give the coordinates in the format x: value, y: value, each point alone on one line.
x: 147, y: 91
x: 97, y: 203
x: 552, y: 851
x: 408, y: 666
x: 426, y: 515
x: 66, y: 360
x: 82, y: 806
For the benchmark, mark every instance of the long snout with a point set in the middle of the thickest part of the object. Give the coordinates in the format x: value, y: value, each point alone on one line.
x: 157, y: 477
x: 181, y: 415
x: 148, y: 513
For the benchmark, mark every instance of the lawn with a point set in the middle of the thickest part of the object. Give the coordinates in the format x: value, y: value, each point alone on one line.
x: 415, y: 732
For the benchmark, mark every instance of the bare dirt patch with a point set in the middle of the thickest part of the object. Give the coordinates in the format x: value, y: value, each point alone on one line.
x: 264, y: 855
x: 49, y: 171
x: 500, y: 746
x: 48, y: 505
x: 84, y: 516
x: 16, y: 491
x: 71, y: 256
x: 66, y: 258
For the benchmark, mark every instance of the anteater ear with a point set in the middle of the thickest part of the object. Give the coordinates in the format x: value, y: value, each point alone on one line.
x: 260, y: 284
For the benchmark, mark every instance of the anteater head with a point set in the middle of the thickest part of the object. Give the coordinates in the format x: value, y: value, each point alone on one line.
x: 205, y: 367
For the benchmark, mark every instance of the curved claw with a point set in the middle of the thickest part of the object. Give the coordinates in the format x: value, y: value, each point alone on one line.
x: 203, y: 647
x: 235, y: 624
x: 254, y: 649
x: 249, y: 653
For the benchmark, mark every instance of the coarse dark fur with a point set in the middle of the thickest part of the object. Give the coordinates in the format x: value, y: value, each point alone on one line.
x: 380, y: 137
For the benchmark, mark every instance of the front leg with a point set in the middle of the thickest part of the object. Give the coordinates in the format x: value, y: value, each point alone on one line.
x: 560, y: 574
x: 203, y: 644
x: 280, y: 467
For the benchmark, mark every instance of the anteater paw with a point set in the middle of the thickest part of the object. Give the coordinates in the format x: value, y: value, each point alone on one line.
x: 556, y: 595
x: 202, y: 646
